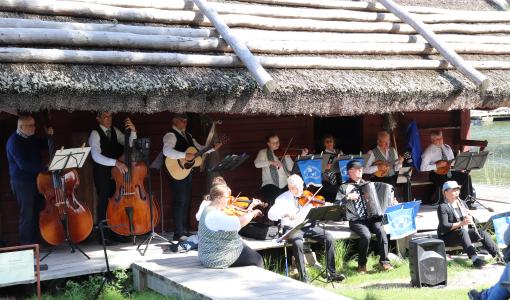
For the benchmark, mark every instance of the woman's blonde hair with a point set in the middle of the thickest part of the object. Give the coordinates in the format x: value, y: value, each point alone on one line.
x: 219, y: 191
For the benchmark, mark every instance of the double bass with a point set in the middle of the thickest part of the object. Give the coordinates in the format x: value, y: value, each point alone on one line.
x: 128, y: 212
x: 63, y: 216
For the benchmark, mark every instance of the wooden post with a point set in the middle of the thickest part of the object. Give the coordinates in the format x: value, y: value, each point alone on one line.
x: 453, y: 58
x: 263, y: 78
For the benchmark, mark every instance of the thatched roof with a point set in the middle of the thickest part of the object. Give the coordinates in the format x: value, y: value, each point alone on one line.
x: 319, y: 91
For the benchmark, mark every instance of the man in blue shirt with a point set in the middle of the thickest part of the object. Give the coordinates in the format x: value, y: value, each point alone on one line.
x: 25, y: 162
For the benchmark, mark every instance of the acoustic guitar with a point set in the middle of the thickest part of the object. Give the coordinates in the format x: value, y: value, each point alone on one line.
x: 383, y: 167
x: 181, y: 168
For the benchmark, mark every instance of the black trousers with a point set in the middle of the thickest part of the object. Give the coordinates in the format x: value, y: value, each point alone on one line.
x: 461, y: 178
x: 249, y: 257
x: 181, y: 192
x: 466, y: 238
x: 270, y: 192
x: 329, y: 191
x: 318, y: 235
x: 364, y: 229
x: 29, y: 202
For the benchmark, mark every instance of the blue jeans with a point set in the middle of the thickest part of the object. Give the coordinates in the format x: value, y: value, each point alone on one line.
x: 497, y: 291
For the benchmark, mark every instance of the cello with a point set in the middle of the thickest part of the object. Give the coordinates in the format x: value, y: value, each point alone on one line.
x: 128, y: 212
x: 63, y: 217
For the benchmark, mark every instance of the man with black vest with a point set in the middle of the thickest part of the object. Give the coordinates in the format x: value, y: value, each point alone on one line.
x: 384, y: 158
x: 175, y: 144
x: 107, y: 146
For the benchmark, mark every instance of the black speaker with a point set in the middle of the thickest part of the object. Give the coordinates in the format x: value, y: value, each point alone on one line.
x: 427, y: 262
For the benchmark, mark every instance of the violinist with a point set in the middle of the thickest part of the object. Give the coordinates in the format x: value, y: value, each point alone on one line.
x: 23, y: 150
x: 275, y: 170
x: 385, y: 159
x: 291, y: 213
x: 107, y: 146
x: 220, y: 245
x: 439, y: 155
x: 350, y: 195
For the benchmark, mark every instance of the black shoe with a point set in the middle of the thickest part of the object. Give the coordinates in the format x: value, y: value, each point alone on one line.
x: 471, y: 205
x: 179, y: 237
x: 479, y: 263
x: 337, y: 277
x: 474, y: 295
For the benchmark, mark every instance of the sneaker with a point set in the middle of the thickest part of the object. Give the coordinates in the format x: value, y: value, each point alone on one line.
x: 479, y: 263
x: 337, y: 277
x: 474, y: 295
x: 386, y: 267
x: 362, y: 269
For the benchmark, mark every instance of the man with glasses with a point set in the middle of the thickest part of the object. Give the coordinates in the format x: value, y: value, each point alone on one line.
x: 439, y: 155
x: 24, y: 157
x: 175, y: 144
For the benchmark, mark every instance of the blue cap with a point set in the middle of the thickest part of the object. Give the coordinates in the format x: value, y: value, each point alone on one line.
x: 452, y: 184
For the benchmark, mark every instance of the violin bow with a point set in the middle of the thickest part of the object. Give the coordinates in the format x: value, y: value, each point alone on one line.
x: 313, y: 196
x: 284, y: 166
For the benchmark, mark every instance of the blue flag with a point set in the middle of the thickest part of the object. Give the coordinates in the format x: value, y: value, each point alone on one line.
x: 342, y: 166
x: 311, y: 171
x: 414, y: 144
x: 402, y: 219
x: 501, y: 223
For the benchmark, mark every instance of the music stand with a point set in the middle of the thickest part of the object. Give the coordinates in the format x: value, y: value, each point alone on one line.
x: 157, y: 164
x: 72, y: 158
x: 230, y: 162
x: 467, y: 161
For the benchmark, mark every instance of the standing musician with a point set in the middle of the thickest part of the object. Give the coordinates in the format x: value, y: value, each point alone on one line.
x: 218, y: 237
x: 454, y: 222
x: 287, y: 209
x: 438, y: 155
x: 351, y: 196
x: 274, y: 171
x: 107, y: 145
x: 329, y: 179
x: 175, y: 144
x: 385, y: 159
x: 24, y: 157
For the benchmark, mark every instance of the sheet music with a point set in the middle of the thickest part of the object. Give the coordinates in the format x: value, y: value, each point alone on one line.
x: 69, y: 158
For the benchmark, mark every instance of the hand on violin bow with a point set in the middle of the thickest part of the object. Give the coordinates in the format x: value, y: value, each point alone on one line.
x: 129, y: 124
x: 254, y: 203
x: 275, y: 163
x: 121, y: 166
x: 304, y: 151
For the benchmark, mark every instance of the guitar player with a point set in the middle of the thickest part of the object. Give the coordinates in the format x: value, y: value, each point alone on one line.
x: 175, y: 143
x: 438, y: 157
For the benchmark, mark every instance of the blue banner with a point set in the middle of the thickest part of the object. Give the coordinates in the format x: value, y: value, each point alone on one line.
x: 342, y: 166
x: 311, y: 171
x: 402, y: 219
x: 414, y: 144
x: 501, y: 223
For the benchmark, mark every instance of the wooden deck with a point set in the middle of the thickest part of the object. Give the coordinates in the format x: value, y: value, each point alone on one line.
x: 182, y: 275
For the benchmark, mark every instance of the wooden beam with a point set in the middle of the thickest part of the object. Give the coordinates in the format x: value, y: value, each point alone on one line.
x: 453, y: 58
x: 263, y: 78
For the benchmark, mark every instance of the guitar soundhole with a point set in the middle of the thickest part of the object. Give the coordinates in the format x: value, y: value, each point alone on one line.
x: 189, y: 164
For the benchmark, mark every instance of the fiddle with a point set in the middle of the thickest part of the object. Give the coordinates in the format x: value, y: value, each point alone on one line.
x: 309, y: 197
x: 245, y: 202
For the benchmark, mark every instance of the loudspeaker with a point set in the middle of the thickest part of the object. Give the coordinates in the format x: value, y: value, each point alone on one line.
x: 427, y: 262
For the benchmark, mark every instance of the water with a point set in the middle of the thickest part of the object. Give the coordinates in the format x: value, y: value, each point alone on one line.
x: 497, y: 167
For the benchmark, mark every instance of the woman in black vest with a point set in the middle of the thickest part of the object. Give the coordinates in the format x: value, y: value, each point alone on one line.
x: 107, y: 146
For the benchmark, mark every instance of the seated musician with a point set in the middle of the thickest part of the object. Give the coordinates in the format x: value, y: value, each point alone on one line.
x: 329, y: 179
x: 218, y: 237
x: 291, y: 213
x: 439, y: 155
x: 350, y: 195
x: 454, y: 223
x: 274, y: 171
x: 383, y: 161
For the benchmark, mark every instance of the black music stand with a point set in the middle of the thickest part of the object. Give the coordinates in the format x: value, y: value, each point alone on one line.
x: 230, y: 162
x: 63, y: 159
x: 467, y: 161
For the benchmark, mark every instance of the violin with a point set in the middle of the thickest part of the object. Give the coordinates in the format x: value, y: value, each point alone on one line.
x: 308, y: 197
x: 245, y: 202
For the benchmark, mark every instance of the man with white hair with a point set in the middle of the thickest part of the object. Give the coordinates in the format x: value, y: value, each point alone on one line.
x: 385, y: 159
x: 287, y: 209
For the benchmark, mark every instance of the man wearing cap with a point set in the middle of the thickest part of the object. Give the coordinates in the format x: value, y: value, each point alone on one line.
x: 350, y: 195
x: 437, y: 155
x: 499, y: 291
x: 287, y: 209
x: 106, y: 147
x: 175, y: 144
x: 457, y: 227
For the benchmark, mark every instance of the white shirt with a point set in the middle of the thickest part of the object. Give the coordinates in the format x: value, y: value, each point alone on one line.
x: 219, y: 221
x: 203, y: 205
x: 370, y: 168
x: 169, y: 141
x: 95, y: 145
x: 286, y: 203
x: 432, y: 154
x: 261, y: 161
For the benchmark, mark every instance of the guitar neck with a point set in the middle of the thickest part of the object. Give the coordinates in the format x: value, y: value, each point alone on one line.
x: 201, y: 152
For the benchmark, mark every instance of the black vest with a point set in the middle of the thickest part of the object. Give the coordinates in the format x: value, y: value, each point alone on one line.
x: 182, y: 143
x: 110, y: 148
